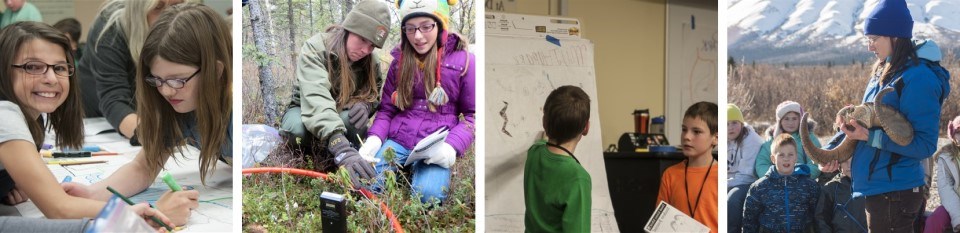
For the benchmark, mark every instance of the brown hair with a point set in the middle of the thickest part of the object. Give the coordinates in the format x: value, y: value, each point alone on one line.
x: 345, y: 89
x: 566, y: 113
x: 782, y: 140
x: 71, y: 27
x: 903, y: 52
x: 189, y: 34
x: 67, y: 119
x: 743, y: 134
x: 707, y: 112
x: 410, y: 67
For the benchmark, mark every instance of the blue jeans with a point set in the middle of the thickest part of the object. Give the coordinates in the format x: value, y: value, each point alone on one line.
x: 735, y: 198
x: 429, y: 180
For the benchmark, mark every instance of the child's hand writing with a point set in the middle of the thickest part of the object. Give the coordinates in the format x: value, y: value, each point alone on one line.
x: 178, y: 205
x: 144, y: 211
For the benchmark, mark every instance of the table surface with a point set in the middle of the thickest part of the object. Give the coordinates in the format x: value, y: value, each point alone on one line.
x: 216, y: 198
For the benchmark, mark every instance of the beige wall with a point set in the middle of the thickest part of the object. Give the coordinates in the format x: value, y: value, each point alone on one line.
x: 86, y: 13
x: 628, y: 37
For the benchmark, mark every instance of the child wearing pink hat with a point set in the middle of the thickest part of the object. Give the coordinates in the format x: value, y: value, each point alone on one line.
x: 947, y: 216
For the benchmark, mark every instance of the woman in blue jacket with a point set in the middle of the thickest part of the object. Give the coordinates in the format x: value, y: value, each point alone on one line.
x: 888, y: 174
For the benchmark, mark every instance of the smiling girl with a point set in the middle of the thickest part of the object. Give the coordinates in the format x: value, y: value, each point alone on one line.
x: 38, y: 79
x: 429, y: 89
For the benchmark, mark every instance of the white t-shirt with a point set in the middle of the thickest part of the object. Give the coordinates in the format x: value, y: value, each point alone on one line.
x: 13, y: 126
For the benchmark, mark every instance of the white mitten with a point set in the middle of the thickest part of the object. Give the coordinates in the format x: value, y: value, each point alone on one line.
x: 443, y: 155
x: 369, y: 149
x: 423, y: 148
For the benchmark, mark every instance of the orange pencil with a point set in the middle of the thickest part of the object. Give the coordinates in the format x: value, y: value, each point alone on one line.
x: 101, y: 153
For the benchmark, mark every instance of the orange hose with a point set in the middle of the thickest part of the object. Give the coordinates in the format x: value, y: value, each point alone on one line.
x: 366, y: 193
x: 285, y: 170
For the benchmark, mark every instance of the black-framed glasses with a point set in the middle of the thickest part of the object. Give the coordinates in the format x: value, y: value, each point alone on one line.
x: 40, y: 68
x: 423, y: 28
x: 177, y: 83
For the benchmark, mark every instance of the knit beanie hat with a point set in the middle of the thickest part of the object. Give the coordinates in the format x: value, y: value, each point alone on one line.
x: 369, y: 19
x: 890, y: 18
x: 734, y: 113
x: 439, y: 10
x: 782, y: 110
x: 952, y: 128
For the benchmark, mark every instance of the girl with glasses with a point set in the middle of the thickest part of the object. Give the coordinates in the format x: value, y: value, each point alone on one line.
x: 429, y: 93
x: 183, y: 97
x: 36, y: 66
x: 107, y: 69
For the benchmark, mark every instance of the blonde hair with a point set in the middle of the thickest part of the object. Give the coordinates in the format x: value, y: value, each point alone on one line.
x: 189, y: 34
x: 131, y: 17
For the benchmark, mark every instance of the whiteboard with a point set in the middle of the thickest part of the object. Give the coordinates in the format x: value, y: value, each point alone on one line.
x: 520, y: 73
x: 691, y: 63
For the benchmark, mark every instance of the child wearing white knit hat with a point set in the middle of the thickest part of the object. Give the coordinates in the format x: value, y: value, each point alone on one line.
x: 788, y: 122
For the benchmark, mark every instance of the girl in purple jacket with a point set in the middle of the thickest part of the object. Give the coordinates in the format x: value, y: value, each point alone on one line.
x: 427, y: 108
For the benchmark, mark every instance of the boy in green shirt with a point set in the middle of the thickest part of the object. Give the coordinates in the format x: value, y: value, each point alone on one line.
x: 19, y: 10
x: 556, y: 189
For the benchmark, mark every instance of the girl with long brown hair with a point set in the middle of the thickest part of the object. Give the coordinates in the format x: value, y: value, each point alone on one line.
x: 427, y: 106
x: 38, y: 79
x: 183, y: 97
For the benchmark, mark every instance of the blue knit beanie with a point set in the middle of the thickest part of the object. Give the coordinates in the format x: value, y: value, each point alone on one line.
x: 890, y: 18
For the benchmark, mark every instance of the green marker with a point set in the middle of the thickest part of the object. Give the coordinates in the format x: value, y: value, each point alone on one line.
x: 167, y: 178
x: 129, y: 202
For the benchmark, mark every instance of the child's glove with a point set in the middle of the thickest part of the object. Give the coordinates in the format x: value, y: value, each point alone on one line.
x: 427, y: 147
x: 369, y: 149
x: 347, y: 157
x: 443, y: 155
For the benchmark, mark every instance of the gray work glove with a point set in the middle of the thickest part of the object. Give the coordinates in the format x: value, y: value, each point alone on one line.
x: 349, y: 158
x: 359, y: 114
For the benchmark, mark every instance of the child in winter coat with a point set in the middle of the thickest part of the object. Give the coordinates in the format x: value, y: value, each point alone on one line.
x: 427, y: 107
x: 839, y: 209
x: 742, y: 147
x: 784, y: 199
x: 788, y: 122
x: 947, y: 216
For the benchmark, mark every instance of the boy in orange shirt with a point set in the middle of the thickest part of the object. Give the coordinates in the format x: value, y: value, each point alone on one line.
x: 691, y: 186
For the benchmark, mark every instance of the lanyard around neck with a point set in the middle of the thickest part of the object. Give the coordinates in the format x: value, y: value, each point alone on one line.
x: 564, y: 150
x: 687, y: 191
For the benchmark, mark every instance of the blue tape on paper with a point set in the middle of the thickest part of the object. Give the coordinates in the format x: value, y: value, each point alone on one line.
x: 553, y: 40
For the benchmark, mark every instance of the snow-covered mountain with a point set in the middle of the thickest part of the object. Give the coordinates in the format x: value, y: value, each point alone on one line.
x: 821, y: 31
